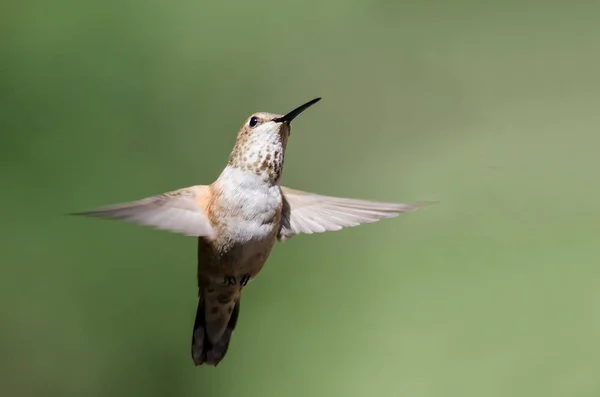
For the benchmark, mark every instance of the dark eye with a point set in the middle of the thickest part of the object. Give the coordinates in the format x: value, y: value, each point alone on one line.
x: 253, y: 121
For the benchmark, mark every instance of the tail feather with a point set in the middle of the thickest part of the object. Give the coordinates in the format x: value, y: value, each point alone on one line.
x: 205, y: 350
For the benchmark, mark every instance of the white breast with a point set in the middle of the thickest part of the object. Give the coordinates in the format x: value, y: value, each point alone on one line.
x: 250, y: 204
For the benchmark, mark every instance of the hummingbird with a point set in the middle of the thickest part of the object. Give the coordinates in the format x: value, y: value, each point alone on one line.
x: 237, y: 220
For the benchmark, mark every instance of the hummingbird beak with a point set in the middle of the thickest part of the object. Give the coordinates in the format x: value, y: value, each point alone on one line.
x: 292, y: 115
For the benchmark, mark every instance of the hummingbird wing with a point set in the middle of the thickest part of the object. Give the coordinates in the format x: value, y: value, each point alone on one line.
x: 309, y: 213
x: 180, y: 211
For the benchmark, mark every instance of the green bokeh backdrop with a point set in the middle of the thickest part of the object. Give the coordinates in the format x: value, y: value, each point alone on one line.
x: 492, y: 108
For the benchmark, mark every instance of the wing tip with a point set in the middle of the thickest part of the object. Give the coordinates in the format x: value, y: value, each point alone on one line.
x: 412, y: 207
x: 423, y: 204
x: 80, y: 213
x: 98, y: 213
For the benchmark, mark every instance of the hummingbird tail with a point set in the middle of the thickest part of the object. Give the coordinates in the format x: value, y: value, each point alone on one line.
x: 205, y: 349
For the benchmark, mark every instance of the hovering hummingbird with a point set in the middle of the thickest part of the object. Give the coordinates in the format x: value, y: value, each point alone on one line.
x: 237, y: 220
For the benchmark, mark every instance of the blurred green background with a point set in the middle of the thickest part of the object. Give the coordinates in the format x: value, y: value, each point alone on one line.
x: 492, y: 108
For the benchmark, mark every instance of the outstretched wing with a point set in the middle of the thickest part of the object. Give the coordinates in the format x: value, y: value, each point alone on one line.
x: 180, y: 211
x: 312, y: 213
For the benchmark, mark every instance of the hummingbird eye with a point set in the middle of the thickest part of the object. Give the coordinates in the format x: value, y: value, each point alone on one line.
x: 253, y: 121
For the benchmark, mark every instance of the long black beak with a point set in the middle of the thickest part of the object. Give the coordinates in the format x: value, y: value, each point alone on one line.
x: 292, y: 115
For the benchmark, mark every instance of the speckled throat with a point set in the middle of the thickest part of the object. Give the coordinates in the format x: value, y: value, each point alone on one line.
x: 263, y: 157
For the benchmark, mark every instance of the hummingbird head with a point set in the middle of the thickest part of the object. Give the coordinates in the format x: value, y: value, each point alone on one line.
x: 261, y: 142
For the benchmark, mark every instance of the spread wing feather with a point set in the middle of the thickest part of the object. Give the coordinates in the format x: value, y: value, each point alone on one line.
x: 179, y: 211
x: 309, y: 213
